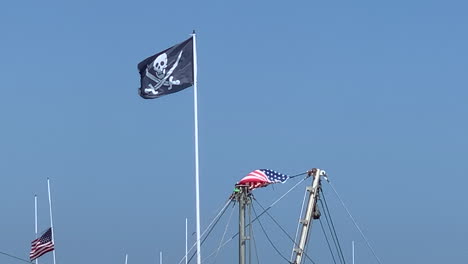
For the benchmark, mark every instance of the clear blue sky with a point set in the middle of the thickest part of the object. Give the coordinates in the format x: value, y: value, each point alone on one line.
x: 374, y: 92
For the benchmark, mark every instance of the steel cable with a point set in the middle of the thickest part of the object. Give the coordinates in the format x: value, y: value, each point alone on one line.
x: 354, y: 222
x: 332, y: 229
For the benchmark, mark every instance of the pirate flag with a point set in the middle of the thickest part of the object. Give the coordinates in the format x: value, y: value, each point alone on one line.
x: 168, y: 71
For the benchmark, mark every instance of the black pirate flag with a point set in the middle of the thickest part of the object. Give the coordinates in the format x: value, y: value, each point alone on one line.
x: 168, y: 71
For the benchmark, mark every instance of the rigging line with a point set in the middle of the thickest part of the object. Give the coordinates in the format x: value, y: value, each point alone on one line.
x: 269, y: 240
x: 334, y: 238
x: 209, y: 232
x: 227, y: 241
x: 328, y: 243
x: 223, y: 208
x: 255, y: 219
x: 333, y: 234
x: 297, y: 175
x: 354, y: 222
x: 255, y: 247
x: 217, y: 216
x: 284, y: 231
x: 275, y: 202
x: 224, y: 234
x: 340, y: 251
x: 299, y: 224
x: 204, y: 239
x: 11, y: 256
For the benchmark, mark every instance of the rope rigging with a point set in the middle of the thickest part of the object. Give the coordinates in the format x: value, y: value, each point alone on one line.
x: 255, y: 248
x: 331, y: 235
x: 338, y: 246
x: 331, y: 228
x: 254, y: 220
x: 328, y: 242
x: 269, y: 240
x: 11, y: 256
x: 224, y: 234
x: 216, y: 219
x: 209, y: 232
x: 284, y: 231
x: 269, y: 207
x: 354, y: 222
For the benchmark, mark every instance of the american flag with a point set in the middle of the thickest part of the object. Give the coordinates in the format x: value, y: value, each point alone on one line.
x: 262, y: 178
x: 41, y: 245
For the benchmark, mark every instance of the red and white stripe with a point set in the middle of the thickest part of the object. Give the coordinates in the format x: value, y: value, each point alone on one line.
x: 255, y: 179
x: 38, y: 249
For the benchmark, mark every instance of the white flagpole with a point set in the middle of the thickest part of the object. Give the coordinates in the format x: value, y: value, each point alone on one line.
x: 160, y: 257
x: 353, y: 251
x: 35, y: 220
x: 186, y: 243
x: 51, y: 221
x: 126, y: 258
x: 197, y: 176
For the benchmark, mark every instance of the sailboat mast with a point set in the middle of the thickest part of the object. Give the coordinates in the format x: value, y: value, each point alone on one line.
x: 310, y: 214
x: 35, y: 220
x: 51, y: 221
x: 242, y: 195
x: 353, y: 250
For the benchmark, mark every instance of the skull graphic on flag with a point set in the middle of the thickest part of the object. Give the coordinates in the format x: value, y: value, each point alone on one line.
x: 168, y: 71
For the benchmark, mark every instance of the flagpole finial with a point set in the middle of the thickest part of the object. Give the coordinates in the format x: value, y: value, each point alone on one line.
x: 193, y: 32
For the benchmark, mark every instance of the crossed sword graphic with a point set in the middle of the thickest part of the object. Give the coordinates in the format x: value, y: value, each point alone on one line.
x: 152, y: 89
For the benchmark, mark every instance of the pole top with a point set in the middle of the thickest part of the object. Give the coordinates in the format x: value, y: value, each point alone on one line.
x: 314, y: 172
x: 311, y: 171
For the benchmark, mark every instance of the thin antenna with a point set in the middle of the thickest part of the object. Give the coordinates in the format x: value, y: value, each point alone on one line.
x: 51, y: 221
x: 160, y: 257
x: 186, y: 241
x: 35, y: 220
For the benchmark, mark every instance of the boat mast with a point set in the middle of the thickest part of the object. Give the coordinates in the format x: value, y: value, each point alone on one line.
x: 310, y: 214
x: 243, y: 195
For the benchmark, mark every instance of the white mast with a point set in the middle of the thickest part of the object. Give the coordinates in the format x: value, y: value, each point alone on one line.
x: 197, y: 176
x: 353, y: 250
x: 35, y: 220
x: 51, y: 221
x: 160, y: 257
x: 306, y: 222
x: 126, y: 258
x: 186, y: 241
